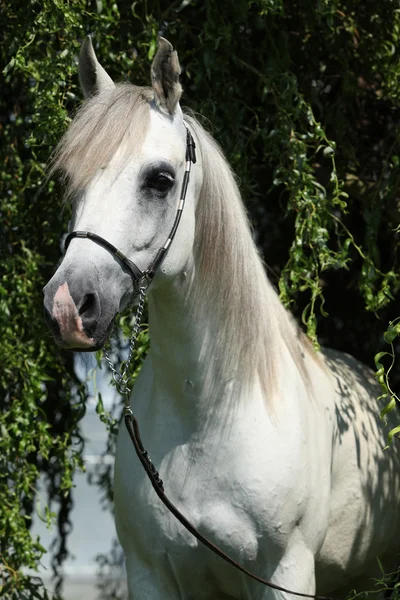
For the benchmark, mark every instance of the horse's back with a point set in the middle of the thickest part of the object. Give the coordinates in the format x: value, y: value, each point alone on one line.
x: 364, y: 519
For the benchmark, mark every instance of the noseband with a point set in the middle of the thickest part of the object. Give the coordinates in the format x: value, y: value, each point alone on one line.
x: 139, y: 276
x: 142, y: 280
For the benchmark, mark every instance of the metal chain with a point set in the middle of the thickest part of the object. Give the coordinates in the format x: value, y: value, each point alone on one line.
x: 122, y: 379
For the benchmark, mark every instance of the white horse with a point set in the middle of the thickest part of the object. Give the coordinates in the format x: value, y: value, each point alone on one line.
x: 273, y: 451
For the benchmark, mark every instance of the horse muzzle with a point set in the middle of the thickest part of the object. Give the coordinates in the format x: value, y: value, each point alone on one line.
x: 77, y: 314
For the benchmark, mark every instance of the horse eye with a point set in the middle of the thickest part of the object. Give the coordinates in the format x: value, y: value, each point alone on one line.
x: 161, y: 182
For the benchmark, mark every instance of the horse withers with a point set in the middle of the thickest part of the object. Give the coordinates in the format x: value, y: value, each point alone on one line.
x: 273, y: 451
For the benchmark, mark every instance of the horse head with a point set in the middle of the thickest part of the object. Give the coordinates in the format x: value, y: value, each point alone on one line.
x: 124, y: 159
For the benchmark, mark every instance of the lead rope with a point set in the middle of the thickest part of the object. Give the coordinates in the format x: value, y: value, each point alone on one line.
x: 121, y: 381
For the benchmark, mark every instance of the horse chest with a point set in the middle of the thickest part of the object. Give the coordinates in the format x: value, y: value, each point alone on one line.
x: 151, y: 535
x: 229, y: 486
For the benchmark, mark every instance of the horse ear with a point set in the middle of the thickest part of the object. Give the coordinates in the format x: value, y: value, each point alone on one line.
x: 165, y: 72
x: 94, y: 79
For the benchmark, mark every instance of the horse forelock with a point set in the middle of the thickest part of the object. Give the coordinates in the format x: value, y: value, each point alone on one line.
x: 97, y: 131
x: 230, y: 281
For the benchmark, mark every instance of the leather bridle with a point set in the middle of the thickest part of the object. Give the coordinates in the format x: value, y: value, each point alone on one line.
x: 142, y: 280
x: 139, y: 276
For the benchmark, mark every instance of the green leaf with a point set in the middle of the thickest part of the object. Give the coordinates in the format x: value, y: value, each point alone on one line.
x: 389, y: 406
x: 152, y: 49
x: 99, y: 405
x: 394, y: 432
x: 390, y: 335
x: 328, y: 151
x: 378, y: 358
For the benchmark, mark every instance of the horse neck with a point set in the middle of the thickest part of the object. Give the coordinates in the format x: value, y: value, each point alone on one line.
x: 178, y: 341
x: 220, y: 329
x: 193, y: 369
x: 201, y: 347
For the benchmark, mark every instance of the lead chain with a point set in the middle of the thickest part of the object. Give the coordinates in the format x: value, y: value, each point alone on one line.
x: 122, y: 379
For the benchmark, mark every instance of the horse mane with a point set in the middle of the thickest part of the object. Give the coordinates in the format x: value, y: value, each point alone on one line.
x: 230, y: 281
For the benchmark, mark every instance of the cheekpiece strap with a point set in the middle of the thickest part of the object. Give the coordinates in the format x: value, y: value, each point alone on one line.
x: 190, y: 147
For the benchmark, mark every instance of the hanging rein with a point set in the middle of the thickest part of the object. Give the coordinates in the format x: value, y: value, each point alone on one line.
x: 141, y: 281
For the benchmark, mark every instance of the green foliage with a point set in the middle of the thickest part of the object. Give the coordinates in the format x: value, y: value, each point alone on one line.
x: 386, y: 586
x: 41, y: 401
x: 305, y: 100
x: 382, y: 376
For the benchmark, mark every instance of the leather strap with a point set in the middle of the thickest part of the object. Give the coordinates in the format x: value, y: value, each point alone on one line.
x: 136, y: 273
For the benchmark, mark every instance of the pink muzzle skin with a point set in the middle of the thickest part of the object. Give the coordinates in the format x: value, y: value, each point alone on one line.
x: 69, y: 322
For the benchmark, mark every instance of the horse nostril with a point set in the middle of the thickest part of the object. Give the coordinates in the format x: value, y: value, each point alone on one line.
x: 88, y: 304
